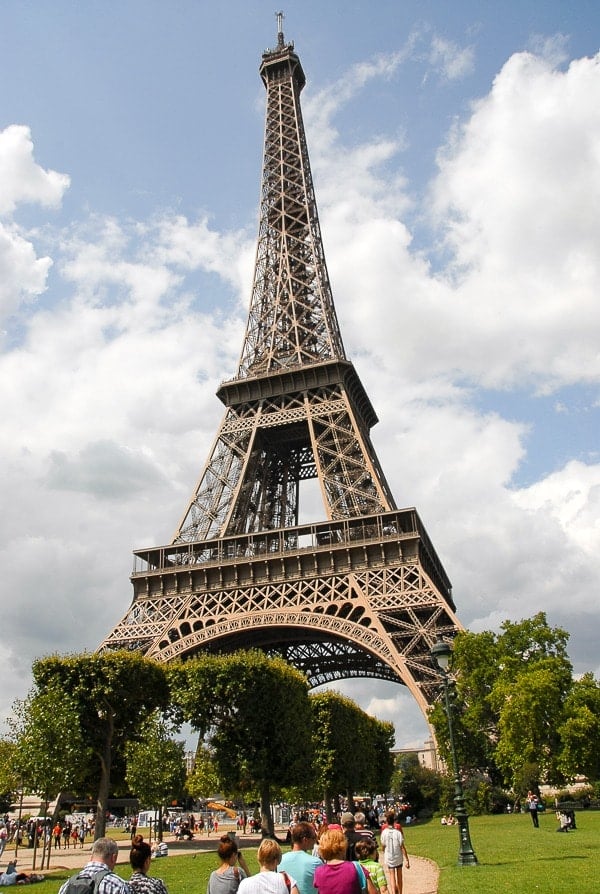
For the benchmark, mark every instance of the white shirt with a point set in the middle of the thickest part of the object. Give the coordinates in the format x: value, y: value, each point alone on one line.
x: 264, y: 883
x: 391, y: 842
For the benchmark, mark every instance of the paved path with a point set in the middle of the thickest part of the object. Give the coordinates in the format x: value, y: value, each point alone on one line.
x: 421, y: 878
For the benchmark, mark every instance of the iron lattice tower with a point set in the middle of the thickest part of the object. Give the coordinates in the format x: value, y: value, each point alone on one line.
x: 361, y: 594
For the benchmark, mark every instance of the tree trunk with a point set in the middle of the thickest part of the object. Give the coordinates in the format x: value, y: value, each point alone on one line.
x: 105, y: 768
x: 328, y: 806
x: 266, y: 817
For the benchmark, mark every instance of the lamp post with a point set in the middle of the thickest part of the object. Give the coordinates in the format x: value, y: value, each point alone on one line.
x: 441, y: 652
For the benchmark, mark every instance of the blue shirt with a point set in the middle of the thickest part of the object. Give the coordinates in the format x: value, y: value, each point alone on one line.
x: 301, y: 866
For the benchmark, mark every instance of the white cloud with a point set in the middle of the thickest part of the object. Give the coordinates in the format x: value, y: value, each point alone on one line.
x: 517, y: 194
x: 452, y: 61
x: 21, y: 178
x: 22, y: 275
x: 570, y: 496
x: 512, y: 303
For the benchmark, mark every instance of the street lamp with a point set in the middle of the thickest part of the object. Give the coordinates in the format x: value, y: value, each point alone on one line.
x: 441, y: 652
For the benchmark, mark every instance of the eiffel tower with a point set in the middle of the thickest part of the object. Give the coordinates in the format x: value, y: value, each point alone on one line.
x: 361, y: 593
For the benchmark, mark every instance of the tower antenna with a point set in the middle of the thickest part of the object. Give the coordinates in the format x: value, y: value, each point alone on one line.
x: 280, y: 17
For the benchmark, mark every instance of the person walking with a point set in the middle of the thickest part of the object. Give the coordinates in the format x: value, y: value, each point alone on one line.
x: 268, y: 880
x: 3, y: 839
x: 367, y: 856
x: 394, y: 854
x: 299, y: 862
x: 339, y: 875
x: 532, y: 807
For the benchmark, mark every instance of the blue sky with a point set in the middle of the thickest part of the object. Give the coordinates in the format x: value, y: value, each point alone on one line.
x: 456, y: 158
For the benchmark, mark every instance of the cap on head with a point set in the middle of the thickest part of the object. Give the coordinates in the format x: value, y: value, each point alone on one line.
x: 347, y: 819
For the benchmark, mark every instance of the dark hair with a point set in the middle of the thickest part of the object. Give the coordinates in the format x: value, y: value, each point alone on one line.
x: 301, y: 831
x: 227, y: 848
x: 139, y: 853
x: 390, y: 817
x: 364, y: 848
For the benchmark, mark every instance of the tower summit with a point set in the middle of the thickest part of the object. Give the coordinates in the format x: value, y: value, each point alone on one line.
x: 361, y: 593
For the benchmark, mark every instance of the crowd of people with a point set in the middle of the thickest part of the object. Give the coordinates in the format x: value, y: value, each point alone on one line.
x: 64, y: 834
x: 342, y: 857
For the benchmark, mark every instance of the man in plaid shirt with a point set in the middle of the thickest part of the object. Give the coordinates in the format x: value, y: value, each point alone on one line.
x: 105, y: 854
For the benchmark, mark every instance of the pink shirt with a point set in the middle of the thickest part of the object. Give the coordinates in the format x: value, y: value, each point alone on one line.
x: 337, y: 878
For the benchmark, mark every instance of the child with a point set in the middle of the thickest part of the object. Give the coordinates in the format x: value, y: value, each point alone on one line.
x: 366, y: 851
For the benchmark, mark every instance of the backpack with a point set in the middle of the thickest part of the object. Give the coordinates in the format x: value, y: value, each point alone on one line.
x: 85, y: 884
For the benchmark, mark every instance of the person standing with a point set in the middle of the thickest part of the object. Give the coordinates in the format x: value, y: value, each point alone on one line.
x: 226, y: 879
x: 532, y: 806
x: 268, y: 880
x: 353, y: 834
x: 140, y: 857
x: 394, y: 854
x: 299, y: 862
x: 3, y: 839
x: 338, y: 875
x: 105, y: 853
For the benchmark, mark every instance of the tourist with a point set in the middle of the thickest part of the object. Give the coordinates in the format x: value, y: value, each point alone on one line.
x: 338, y: 875
x: 233, y: 869
x: 104, y: 856
x: 366, y: 854
x: 268, y: 880
x: 140, y: 857
x: 299, y: 862
x: 394, y: 854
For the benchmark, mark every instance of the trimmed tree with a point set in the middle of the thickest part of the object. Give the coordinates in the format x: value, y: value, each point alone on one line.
x: 113, y: 693
x: 256, y: 715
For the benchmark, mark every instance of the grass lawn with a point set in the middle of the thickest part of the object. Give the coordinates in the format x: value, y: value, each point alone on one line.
x: 513, y: 857
x: 182, y: 874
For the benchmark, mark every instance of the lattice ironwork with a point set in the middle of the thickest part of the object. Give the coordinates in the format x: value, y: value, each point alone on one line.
x: 360, y: 594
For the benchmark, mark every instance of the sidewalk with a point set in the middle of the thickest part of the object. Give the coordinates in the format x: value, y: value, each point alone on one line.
x: 421, y: 878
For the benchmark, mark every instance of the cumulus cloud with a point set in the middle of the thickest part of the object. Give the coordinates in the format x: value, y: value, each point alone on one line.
x: 21, y: 178
x: 23, y: 275
x: 516, y: 196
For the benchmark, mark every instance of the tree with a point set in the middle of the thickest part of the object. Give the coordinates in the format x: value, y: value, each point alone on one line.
x: 510, y: 692
x: 155, y: 766
x: 580, y: 731
x: 352, y: 749
x: 383, y: 737
x: 419, y: 786
x: 529, y: 709
x: 10, y: 777
x: 47, y: 759
x: 334, y: 718
x: 203, y: 781
x: 113, y: 693
x: 256, y: 713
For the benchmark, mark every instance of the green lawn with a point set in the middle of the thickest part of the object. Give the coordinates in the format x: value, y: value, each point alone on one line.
x: 513, y: 857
